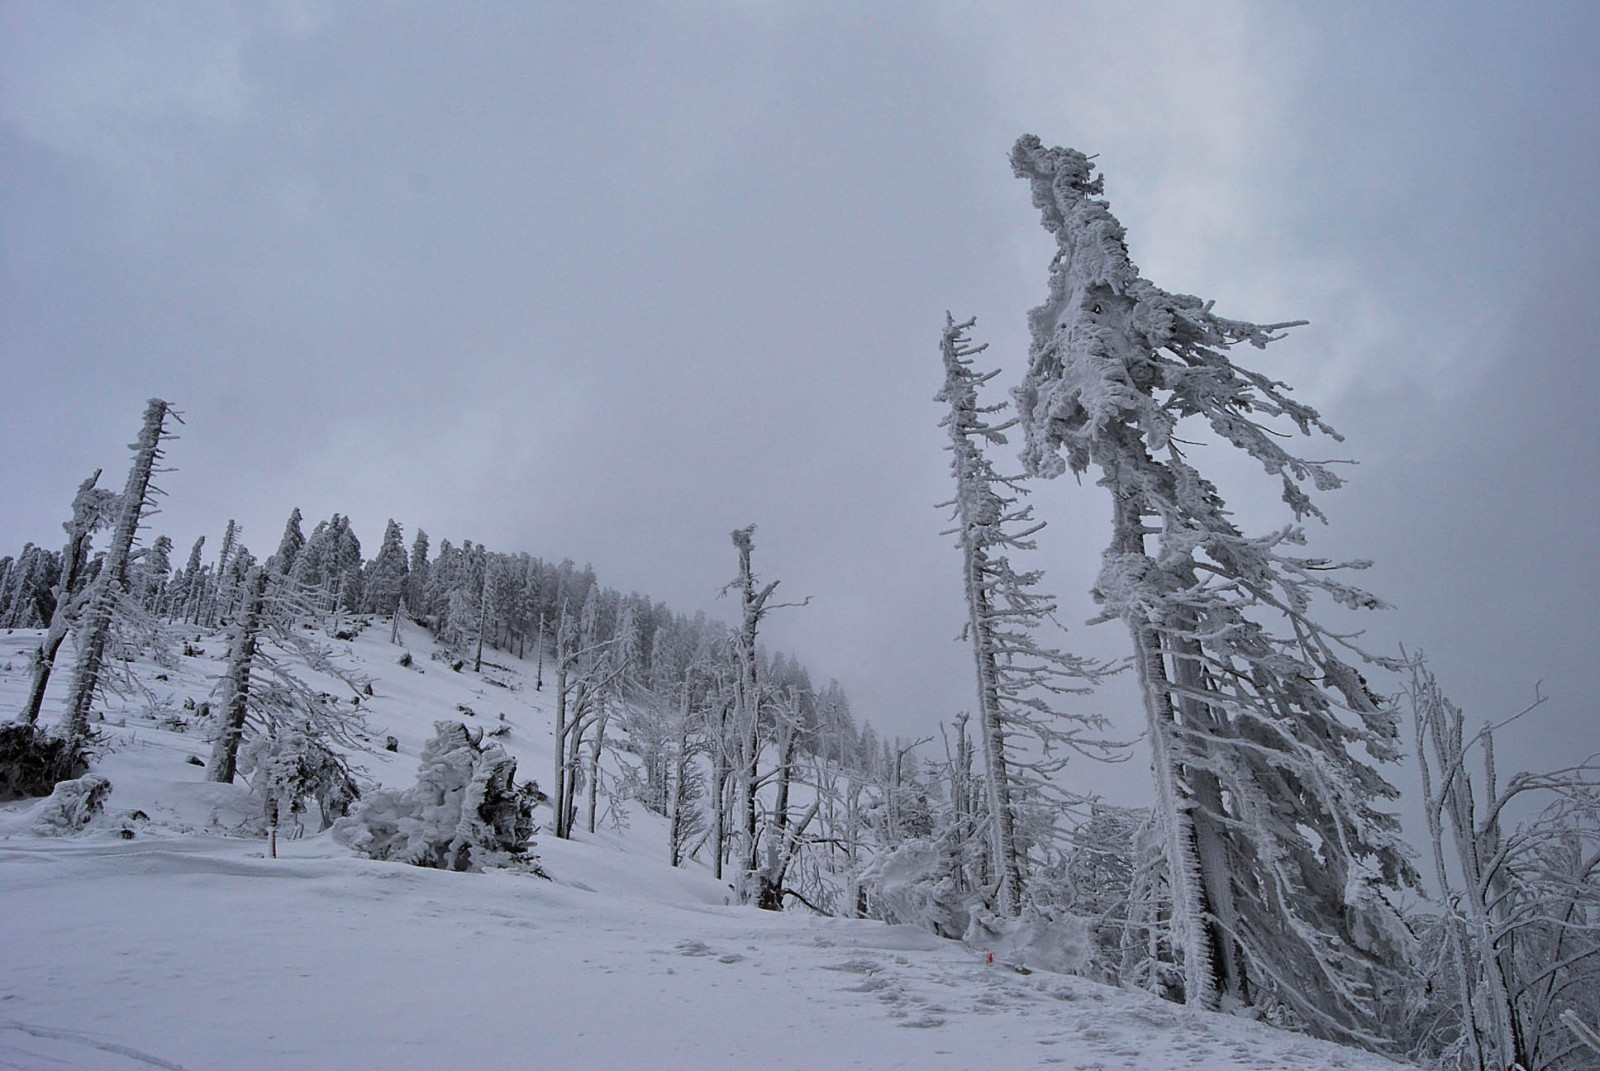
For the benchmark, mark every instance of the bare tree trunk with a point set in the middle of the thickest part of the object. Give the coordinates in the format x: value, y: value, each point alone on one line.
x: 558, y: 790
x: 538, y: 675
x: 1002, y: 820
x: 112, y: 583
x: 596, y: 748
x: 752, y: 606
x: 719, y: 777
x: 483, y: 618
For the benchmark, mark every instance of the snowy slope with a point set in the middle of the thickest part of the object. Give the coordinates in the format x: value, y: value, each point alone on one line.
x: 186, y: 947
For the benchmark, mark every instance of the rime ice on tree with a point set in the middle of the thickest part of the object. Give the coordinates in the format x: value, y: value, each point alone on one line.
x: 1017, y: 677
x: 1275, y: 850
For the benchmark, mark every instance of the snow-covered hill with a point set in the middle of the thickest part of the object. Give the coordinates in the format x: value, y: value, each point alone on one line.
x: 172, y: 941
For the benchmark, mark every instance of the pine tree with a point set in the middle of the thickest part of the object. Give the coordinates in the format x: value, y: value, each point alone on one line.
x: 1277, y: 854
x: 154, y: 569
x: 29, y: 602
x: 417, y: 574
x: 384, y: 583
x: 220, y: 602
x: 183, y: 594
x: 289, y: 546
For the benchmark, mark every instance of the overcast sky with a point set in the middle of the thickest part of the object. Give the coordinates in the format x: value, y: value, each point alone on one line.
x: 608, y: 281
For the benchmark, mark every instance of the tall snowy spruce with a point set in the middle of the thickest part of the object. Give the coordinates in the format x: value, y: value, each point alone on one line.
x: 1017, y: 677
x: 1277, y: 854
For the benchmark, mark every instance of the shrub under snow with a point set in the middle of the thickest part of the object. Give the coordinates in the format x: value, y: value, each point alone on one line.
x: 71, y: 805
x: 466, y: 811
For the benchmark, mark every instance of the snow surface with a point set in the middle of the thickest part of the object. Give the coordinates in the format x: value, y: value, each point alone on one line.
x: 187, y: 947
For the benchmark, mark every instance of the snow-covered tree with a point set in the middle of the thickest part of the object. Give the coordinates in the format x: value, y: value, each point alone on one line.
x: 91, y: 507
x: 290, y: 545
x: 153, y: 571
x: 288, y: 738
x: 111, y: 585
x: 220, y: 602
x: 1277, y: 851
x: 1019, y: 679
x: 584, y: 678
x: 747, y: 710
x: 417, y: 573
x: 241, y: 653
x: 183, y: 596
x: 1521, y: 919
x: 384, y: 581
x: 28, y: 601
x: 466, y: 811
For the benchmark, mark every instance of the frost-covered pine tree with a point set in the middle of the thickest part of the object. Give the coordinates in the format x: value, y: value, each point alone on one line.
x: 417, y: 573
x: 154, y: 569
x: 1017, y: 677
x: 111, y: 585
x: 384, y: 582
x: 1277, y: 851
x: 466, y: 811
x: 185, y: 585
x: 290, y: 545
x: 221, y: 601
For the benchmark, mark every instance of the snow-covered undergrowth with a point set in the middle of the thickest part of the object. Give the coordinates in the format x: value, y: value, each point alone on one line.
x: 164, y: 935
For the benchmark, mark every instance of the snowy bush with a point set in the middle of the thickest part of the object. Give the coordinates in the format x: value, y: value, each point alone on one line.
x: 917, y: 884
x: 71, y: 806
x: 289, y: 768
x: 466, y: 811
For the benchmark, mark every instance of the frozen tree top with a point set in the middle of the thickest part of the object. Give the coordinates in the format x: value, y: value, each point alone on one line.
x: 1111, y: 350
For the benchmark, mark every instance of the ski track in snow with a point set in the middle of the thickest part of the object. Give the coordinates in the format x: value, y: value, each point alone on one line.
x: 183, y: 948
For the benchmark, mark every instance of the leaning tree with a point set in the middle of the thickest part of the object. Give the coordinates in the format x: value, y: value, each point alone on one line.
x: 1026, y: 736
x: 1277, y: 850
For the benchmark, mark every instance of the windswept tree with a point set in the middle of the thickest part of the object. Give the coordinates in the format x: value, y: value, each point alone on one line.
x: 111, y: 585
x: 1019, y: 680
x: 1277, y: 850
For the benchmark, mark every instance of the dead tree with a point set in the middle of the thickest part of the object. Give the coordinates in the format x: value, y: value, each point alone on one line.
x: 111, y: 586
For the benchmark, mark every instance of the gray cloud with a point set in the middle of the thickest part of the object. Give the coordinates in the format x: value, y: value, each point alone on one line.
x: 608, y: 283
